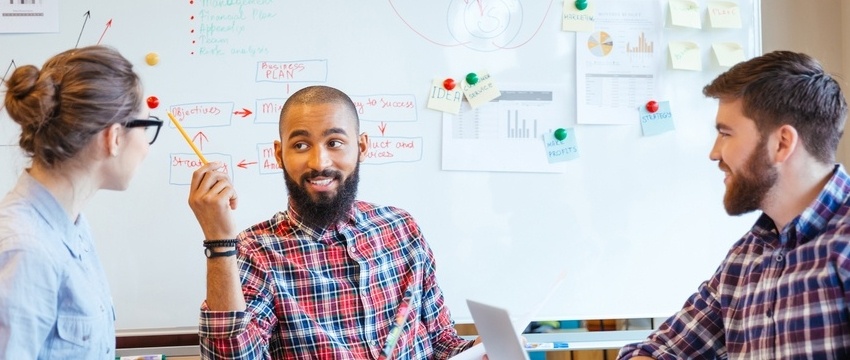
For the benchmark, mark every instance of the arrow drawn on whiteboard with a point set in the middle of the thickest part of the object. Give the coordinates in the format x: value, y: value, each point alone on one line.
x: 108, y: 25
x: 244, y: 164
x: 382, y: 128
x: 86, y: 20
x: 245, y: 112
x: 200, y: 137
x: 11, y: 65
x: 3, y: 79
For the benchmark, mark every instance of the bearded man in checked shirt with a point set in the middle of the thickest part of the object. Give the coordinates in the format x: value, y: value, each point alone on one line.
x: 783, y: 290
x: 326, y: 278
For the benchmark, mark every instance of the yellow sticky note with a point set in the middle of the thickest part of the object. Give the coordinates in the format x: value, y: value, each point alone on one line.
x: 442, y: 99
x: 728, y: 53
x: 578, y: 20
x: 684, y: 55
x: 685, y: 13
x: 724, y: 14
x: 482, y: 91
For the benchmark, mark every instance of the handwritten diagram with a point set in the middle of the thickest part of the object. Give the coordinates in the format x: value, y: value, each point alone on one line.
x: 480, y: 25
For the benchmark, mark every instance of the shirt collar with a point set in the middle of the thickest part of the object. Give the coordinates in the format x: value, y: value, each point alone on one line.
x: 50, y: 210
x: 814, y: 218
x: 315, y: 233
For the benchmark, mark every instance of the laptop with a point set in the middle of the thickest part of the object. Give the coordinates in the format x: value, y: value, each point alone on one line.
x: 497, y: 332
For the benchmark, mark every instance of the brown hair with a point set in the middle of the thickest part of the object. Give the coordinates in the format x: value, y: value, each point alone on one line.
x: 319, y: 94
x: 76, y: 94
x: 784, y: 87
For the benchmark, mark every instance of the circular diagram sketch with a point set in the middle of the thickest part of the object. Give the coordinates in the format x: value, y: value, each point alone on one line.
x: 485, y: 25
x: 600, y: 43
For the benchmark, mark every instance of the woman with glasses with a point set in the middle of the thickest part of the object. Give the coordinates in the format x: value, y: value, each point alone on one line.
x: 84, y: 127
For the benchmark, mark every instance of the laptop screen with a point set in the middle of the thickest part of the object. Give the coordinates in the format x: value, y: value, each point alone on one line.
x: 497, y: 332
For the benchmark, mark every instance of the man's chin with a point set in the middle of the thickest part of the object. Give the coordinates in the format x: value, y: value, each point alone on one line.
x: 322, y: 200
x: 735, y: 206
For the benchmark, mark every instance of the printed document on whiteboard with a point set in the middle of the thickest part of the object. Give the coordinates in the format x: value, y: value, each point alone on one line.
x: 618, y: 63
x: 507, y: 133
x: 29, y: 16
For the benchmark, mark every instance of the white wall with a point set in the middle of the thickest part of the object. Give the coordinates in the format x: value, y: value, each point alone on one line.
x: 819, y: 28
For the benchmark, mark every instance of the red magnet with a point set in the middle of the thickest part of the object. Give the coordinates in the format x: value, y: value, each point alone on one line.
x: 652, y: 106
x: 153, y: 102
x: 449, y: 84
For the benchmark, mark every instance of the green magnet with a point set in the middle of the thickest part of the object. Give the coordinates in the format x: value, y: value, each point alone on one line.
x: 581, y: 4
x: 471, y: 78
x: 560, y: 134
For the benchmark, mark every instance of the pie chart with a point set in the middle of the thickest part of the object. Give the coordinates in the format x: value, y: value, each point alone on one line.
x: 600, y: 43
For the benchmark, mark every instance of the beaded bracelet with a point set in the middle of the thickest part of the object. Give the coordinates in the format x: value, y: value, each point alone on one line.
x: 220, y: 243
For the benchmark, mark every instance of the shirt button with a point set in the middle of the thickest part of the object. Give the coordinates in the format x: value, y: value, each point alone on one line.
x: 780, y: 258
x: 769, y: 312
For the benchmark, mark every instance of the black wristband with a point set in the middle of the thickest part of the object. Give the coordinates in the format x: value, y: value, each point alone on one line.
x: 212, y: 254
x: 220, y: 243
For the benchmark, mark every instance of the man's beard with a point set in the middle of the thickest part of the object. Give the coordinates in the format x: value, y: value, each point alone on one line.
x: 328, y: 208
x: 746, y: 190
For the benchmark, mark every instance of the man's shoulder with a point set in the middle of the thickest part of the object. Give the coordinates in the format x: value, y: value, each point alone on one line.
x: 372, y: 208
x: 369, y: 214
x: 277, y: 223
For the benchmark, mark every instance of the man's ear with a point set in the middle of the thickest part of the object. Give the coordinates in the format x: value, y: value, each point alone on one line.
x: 363, y: 143
x: 278, y: 153
x: 787, y: 139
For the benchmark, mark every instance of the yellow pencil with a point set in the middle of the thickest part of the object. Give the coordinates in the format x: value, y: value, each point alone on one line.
x: 186, y: 136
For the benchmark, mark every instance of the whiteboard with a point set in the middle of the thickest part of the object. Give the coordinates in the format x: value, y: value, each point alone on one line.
x: 634, y: 224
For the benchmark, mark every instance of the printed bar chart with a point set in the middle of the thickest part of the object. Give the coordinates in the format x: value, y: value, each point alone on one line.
x: 642, y: 46
x: 515, y: 131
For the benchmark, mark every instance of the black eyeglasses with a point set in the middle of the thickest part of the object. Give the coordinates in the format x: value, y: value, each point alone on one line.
x: 151, y: 125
